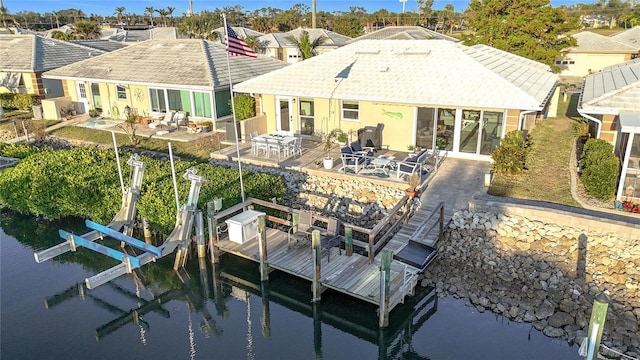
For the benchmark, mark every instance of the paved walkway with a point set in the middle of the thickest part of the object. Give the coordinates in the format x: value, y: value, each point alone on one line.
x: 459, y: 181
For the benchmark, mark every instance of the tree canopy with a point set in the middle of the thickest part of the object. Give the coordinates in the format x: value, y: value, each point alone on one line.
x: 529, y: 28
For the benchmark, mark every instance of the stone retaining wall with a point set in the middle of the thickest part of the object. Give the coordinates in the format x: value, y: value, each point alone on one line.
x: 537, y: 271
x: 351, y: 200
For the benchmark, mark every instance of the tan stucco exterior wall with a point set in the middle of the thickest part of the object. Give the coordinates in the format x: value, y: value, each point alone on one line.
x: 512, y: 120
x: 609, y: 132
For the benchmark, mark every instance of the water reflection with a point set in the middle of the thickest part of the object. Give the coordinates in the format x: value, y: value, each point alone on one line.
x: 232, y: 280
x: 228, y: 311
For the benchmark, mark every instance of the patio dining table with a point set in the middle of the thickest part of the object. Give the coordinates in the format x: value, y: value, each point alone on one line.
x: 282, y: 143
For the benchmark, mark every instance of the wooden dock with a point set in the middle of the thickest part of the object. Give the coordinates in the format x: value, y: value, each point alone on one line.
x: 352, y: 275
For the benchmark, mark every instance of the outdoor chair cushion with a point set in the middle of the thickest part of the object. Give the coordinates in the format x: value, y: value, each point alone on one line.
x: 346, y: 150
x: 356, y: 148
x: 355, y: 160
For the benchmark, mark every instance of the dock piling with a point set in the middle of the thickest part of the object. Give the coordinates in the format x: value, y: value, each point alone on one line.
x: 317, y: 256
x: 385, y: 273
x: 262, y: 243
x: 348, y: 240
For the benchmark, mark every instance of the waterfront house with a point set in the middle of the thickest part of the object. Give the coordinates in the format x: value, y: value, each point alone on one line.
x: 155, y: 76
x: 610, y: 100
x: 593, y: 53
x: 429, y: 94
x: 24, y: 58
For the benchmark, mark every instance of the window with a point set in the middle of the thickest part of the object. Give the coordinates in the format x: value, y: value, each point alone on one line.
x: 158, y: 103
x: 307, y: 116
x: 350, y: 110
x: 571, y: 62
x: 121, y: 91
x: 82, y: 91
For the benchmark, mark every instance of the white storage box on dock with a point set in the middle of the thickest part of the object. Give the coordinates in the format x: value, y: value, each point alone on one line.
x: 243, y: 226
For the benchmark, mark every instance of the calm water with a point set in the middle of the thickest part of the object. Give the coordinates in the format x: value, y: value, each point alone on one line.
x: 221, y: 313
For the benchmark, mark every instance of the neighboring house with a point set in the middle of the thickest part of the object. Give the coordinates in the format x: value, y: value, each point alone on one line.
x: 23, y: 59
x: 630, y: 37
x: 276, y: 45
x: 593, y: 53
x: 610, y: 99
x: 154, y: 76
x: 404, y: 33
x: 426, y: 93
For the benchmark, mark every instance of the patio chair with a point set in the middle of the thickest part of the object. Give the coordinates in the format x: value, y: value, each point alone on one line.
x: 295, y: 147
x: 167, y: 119
x: 301, y: 223
x: 180, y: 118
x: 357, y: 149
x: 331, y: 238
x: 351, y: 161
x: 254, y: 143
x: 412, y: 165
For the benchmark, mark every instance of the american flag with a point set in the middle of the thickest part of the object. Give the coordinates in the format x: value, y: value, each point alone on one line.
x: 236, y: 46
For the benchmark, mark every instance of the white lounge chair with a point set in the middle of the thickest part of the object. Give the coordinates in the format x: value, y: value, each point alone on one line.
x: 168, y: 118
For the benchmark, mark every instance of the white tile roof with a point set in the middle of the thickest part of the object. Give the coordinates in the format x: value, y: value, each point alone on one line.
x: 192, y: 63
x: 630, y: 37
x: 593, y: 43
x: 404, y: 33
x: 277, y: 40
x: 33, y: 53
x: 613, y: 89
x: 436, y: 72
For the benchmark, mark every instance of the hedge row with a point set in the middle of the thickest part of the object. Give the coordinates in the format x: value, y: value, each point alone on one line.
x: 10, y: 101
x: 84, y: 182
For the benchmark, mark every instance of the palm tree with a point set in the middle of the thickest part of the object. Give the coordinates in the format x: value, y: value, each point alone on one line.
x: 163, y: 16
x: 85, y: 30
x: 55, y: 14
x: 4, y: 15
x: 119, y: 11
x: 170, y: 10
x: 254, y: 43
x: 306, y: 47
x: 150, y: 10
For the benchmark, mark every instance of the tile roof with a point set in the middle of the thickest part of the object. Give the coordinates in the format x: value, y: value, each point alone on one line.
x: 613, y: 88
x: 630, y: 37
x: 404, y: 33
x: 436, y: 72
x: 192, y: 63
x: 243, y: 32
x: 106, y: 45
x: 277, y: 40
x: 159, y: 33
x: 592, y: 42
x: 32, y: 53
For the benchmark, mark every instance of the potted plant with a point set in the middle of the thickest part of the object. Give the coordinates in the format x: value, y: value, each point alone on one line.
x: 207, y: 126
x: 94, y: 113
x: 412, y: 189
x: 327, y: 144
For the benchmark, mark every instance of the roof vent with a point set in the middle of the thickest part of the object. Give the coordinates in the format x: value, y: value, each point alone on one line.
x: 416, y: 52
x: 383, y: 69
x: 367, y: 52
x: 48, y: 42
x: 180, y: 46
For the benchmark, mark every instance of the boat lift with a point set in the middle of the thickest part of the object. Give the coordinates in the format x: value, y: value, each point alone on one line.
x: 179, y: 238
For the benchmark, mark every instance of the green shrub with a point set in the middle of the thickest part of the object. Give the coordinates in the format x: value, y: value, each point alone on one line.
x: 600, y: 169
x: 84, y: 182
x: 19, y: 151
x: 18, y: 101
x: 245, y: 106
x: 510, y: 156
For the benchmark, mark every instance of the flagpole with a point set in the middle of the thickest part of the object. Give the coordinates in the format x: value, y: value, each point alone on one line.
x: 233, y: 107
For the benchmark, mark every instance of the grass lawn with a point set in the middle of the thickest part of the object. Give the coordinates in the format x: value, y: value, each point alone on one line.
x: 198, y: 149
x: 546, y: 177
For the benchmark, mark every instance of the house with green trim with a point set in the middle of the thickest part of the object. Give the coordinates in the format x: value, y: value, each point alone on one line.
x: 430, y: 94
x: 155, y: 76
